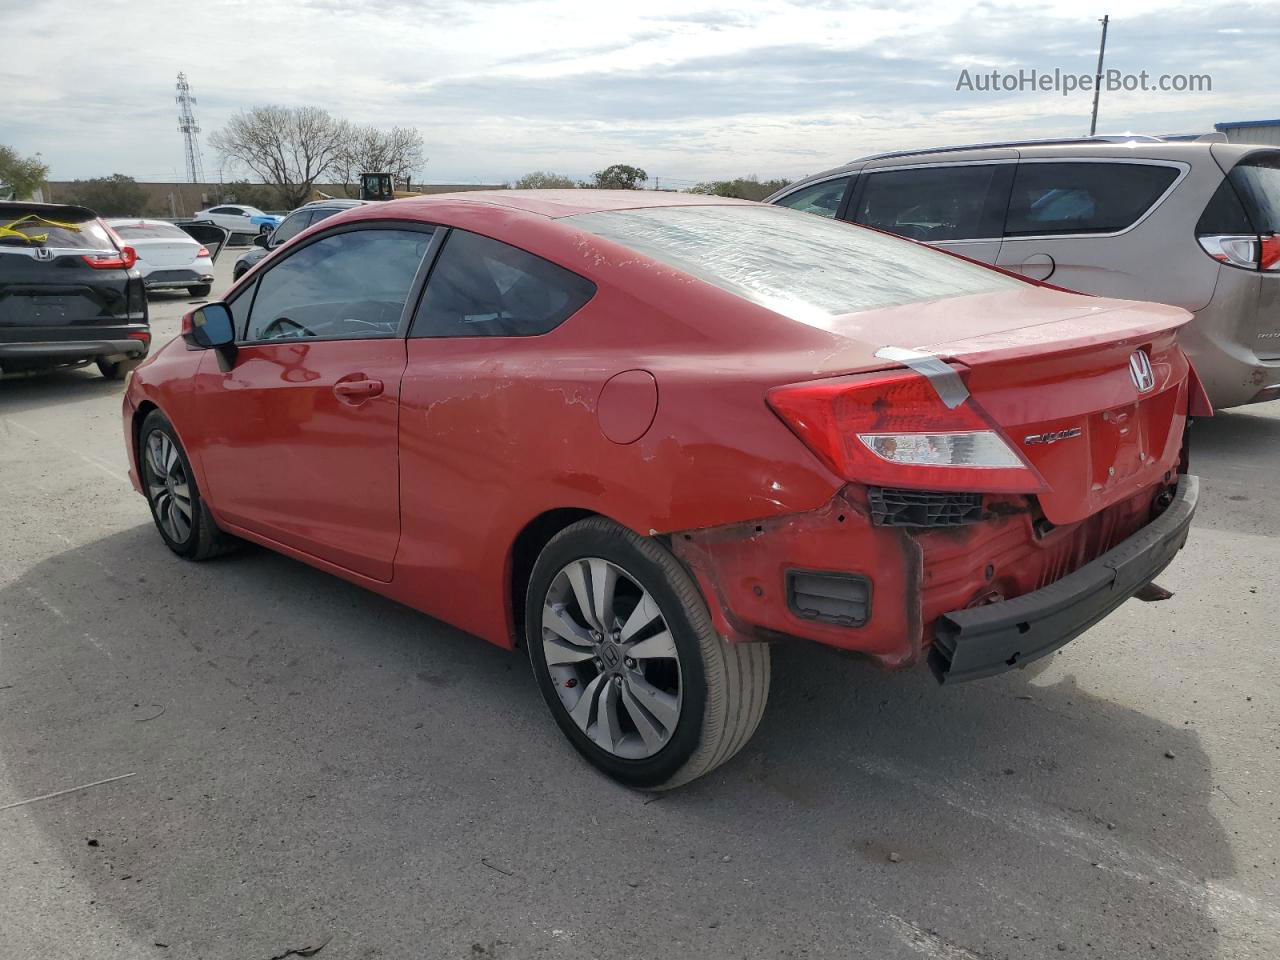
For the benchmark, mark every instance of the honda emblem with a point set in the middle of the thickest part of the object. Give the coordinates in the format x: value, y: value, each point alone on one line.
x: 44, y: 253
x: 1144, y: 377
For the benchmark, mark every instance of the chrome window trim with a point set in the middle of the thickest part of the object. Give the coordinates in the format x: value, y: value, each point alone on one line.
x: 805, y: 185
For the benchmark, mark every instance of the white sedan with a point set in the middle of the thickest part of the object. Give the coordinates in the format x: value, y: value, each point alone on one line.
x: 168, y: 258
x: 238, y: 218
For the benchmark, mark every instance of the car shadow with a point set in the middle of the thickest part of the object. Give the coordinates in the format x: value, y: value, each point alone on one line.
x: 308, y: 760
x: 20, y: 393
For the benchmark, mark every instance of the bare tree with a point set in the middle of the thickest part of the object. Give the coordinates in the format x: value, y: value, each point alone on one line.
x: 288, y: 147
x: 366, y: 149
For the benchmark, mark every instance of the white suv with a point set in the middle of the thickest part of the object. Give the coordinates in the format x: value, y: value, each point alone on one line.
x: 1192, y: 224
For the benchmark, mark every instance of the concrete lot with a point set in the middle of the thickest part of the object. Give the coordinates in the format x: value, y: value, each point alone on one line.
x: 304, y: 763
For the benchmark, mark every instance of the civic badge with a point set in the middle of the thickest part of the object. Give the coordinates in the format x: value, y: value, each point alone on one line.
x: 1144, y: 377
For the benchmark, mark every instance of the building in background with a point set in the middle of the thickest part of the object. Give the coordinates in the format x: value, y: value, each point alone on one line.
x: 1251, y: 131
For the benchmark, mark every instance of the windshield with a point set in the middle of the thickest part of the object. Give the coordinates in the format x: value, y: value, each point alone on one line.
x: 149, y: 231
x: 30, y: 230
x: 805, y: 267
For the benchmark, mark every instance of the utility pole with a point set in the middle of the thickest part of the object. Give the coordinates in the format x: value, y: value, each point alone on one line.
x: 1097, y: 79
x: 189, y: 129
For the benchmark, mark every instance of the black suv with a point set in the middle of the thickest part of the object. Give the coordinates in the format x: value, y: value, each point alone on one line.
x: 290, y: 227
x: 69, y: 293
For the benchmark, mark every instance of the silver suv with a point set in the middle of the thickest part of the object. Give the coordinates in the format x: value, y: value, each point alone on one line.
x: 1190, y: 224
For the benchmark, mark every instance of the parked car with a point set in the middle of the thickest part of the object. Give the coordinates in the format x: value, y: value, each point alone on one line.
x: 69, y: 292
x: 168, y: 257
x: 239, y: 219
x: 645, y: 434
x: 297, y: 221
x: 1189, y: 224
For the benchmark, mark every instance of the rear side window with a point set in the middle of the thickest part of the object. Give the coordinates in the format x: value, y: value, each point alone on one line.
x: 1051, y: 198
x: 481, y: 287
x: 24, y: 230
x: 935, y: 203
x: 805, y: 268
x: 348, y: 286
x: 149, y: 231
x: 820, y: 198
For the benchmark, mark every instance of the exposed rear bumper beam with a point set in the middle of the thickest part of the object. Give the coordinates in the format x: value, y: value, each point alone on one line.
x: 986, y: 640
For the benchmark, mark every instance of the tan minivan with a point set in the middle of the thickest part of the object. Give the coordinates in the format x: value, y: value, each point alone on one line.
x: 1192, y: 224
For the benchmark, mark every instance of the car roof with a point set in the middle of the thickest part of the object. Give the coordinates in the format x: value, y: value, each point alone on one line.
x: 566, y: 203
x: 149, y: 221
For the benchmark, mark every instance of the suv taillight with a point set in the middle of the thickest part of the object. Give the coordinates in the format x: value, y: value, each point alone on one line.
x: 893, y: 430
x: 1244, y: 250
x: 123, y: 260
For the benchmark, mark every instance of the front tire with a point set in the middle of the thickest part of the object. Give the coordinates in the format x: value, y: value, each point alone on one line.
x: 624, y: 652
x: 184, y: 521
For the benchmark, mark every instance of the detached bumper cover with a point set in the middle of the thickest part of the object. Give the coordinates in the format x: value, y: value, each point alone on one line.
x: 980, y: 642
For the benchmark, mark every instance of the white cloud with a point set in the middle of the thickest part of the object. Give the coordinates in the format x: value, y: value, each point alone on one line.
x: 687, y: 90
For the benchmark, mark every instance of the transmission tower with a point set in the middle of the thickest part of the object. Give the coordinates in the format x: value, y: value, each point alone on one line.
x: 189, y: 129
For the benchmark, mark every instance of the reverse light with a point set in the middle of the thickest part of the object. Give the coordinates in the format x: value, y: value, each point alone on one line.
x: 892, y: 429
x: 123, y: 260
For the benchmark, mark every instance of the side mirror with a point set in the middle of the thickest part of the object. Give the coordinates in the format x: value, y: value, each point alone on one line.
x: 212, y: 327
x: 262, y: 239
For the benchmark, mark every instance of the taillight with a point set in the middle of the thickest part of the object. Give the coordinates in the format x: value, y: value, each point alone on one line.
x: 892, y: 429
x: 202, y: 252
x: 123, y: 260
x: 1247, y: 251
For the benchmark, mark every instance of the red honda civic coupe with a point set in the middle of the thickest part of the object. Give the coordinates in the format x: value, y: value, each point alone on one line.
x: 646, y: 435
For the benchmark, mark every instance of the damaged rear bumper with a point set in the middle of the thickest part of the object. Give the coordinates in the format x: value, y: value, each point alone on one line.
x: 982, y: 641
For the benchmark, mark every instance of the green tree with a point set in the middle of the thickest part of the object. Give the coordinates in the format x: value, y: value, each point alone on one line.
x: 545, y: 180
x: 113, y: 196
x: 20, y: 176
x: 743, y: 188
x: 619, y: 176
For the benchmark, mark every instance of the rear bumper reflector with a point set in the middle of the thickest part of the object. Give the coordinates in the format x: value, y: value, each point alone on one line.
x: 982, y: 641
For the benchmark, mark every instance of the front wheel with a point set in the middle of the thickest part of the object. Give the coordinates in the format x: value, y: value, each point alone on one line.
x: 185, y: 523
x: 628, y: 662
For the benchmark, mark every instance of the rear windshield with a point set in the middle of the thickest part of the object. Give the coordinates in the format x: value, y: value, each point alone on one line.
x: 801, y: 266
x: 149, y: 231
x: 86, y: 235
x: 1257, y: 181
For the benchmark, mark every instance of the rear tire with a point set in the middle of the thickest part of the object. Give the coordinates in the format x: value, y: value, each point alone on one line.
x: 184, y: 521
x: 200, y: 289
x: 118, y: 369
x: 654, y: 719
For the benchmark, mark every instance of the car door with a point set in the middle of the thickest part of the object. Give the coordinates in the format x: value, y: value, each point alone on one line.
x: 959, y: 207
x: 301, y: 441
x: 1068, y: 221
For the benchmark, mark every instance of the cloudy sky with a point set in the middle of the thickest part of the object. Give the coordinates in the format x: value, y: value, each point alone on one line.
x: 689, y: 91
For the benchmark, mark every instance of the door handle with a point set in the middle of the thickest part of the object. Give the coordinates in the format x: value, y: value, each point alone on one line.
x: 356, y: 390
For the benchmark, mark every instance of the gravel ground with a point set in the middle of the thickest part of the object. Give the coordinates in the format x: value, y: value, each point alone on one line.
x: 279, y: 761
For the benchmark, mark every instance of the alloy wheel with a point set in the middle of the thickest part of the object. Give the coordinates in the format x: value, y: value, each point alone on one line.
x: 168, y: 487
x: 611, y: 658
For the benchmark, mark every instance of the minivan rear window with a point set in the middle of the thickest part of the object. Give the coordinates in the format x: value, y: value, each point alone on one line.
x: 804, y: 267
x: 1257, y: 181
x: 1088, y: 197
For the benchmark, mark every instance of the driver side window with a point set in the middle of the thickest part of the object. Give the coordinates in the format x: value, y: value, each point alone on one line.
x: 350, y: 285
x: 293, y: 225
x: 931, y: 204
